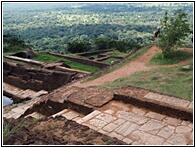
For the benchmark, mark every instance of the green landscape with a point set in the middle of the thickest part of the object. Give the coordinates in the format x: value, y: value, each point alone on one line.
x: 59, y: 26
x: 98, y: 73
x: 69, y: 28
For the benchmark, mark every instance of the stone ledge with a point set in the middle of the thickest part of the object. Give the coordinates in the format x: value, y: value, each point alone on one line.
x: 159, y: 106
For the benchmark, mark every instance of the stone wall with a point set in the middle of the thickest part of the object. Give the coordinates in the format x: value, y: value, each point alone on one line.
x: 35, y: 79
x: 94, y: 52
x: 82, y: 60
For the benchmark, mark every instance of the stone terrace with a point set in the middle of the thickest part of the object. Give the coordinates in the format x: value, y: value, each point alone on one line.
x: 116, y: 113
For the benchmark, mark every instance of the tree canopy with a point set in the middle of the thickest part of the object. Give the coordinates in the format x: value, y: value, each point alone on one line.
x: 52, y: 26
x: 173, y: 30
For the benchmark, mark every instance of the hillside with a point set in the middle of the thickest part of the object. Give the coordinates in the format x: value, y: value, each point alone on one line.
x: 88, y: 74
x: 52, y: 26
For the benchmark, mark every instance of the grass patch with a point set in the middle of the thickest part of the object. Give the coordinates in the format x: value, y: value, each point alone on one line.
x: 9, y: 130
x: 44, y: 57
x: 119, y: 65
x: 8, y: 53
x: 109, y: 60
x: 169, y: 80
x: 117, y: 53
x: 174, y: 57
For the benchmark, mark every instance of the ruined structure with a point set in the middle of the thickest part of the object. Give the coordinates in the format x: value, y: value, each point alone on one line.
x: 25, y: 54
x: 35, y: 79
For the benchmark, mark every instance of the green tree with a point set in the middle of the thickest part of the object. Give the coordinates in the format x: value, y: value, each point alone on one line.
x: 103, y: 43
x: 12, y: 43
x: 81, y: 46
x: 173, y: 30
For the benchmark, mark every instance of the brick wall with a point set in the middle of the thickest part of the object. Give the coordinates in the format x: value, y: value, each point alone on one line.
x: 35, y: 79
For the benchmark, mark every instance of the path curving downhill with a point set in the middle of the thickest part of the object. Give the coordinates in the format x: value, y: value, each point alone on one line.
x: 138, y: 64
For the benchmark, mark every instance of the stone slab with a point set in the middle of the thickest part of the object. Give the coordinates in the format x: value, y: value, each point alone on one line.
x: 155, y: 115
x: 177, y: 139
x: 18, y: 110
x: 106, y: 117
x: 38, y: 94
x: 97, y: 123
x: 172, y: 121
x: 152, y: 125
x: 146, y: 138
x: 126, y: 128
x: 118, y: 136
x: 183, y: 129
x: 110, y: 127
x: 24, y: 94
x: 167, y: 99
x: 88, y: 117
x: 132, y: 117
x: 36, y: 115
x: 127, y: 140
x: 60, y: 113
x: 70, y: 115
x: 138, y: 111
x: 166, y: 132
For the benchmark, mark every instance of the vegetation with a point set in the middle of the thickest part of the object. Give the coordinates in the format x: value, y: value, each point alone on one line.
x: 174, y: 29
x: 52, y: 26
x: 9, y: 130
x: 12, y: 43
x: 117, y: 53
x: 44, y: 57
x: 170, y: 80
x: 11, y: 127
x: 175, y: 57
x: 110, y: 60
x: 75, y: 47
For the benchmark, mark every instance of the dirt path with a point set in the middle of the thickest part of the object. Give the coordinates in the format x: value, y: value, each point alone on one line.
x: 138, y: 64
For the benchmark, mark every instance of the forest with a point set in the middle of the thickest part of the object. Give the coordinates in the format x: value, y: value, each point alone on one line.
x: 66, y: 27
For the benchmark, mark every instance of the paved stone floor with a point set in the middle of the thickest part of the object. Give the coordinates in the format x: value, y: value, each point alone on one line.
x: 137, y: 126
x: 131, y: 124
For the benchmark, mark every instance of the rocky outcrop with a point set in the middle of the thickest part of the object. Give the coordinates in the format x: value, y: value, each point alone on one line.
x: 25, y: 54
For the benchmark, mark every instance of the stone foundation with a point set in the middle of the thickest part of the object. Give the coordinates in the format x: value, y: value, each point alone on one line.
x: 35, y: 79
x: 82, y: 60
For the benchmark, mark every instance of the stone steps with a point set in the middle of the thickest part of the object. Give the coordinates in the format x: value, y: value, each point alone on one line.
x: 35, y: 115
x: 139, y: 127
x: 19, y: 95
x: 69, y: 114
x: 134, y: 125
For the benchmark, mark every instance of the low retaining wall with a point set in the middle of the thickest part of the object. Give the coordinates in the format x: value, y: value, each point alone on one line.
x: 94, y: 52
x: 55, y: 65
x: 163, y: 108
x: 35, y: 79
x: 25, y: 60
x: 82, y: 60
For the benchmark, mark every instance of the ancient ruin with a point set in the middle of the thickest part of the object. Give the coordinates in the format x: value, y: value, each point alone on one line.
x: 69, y: 113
